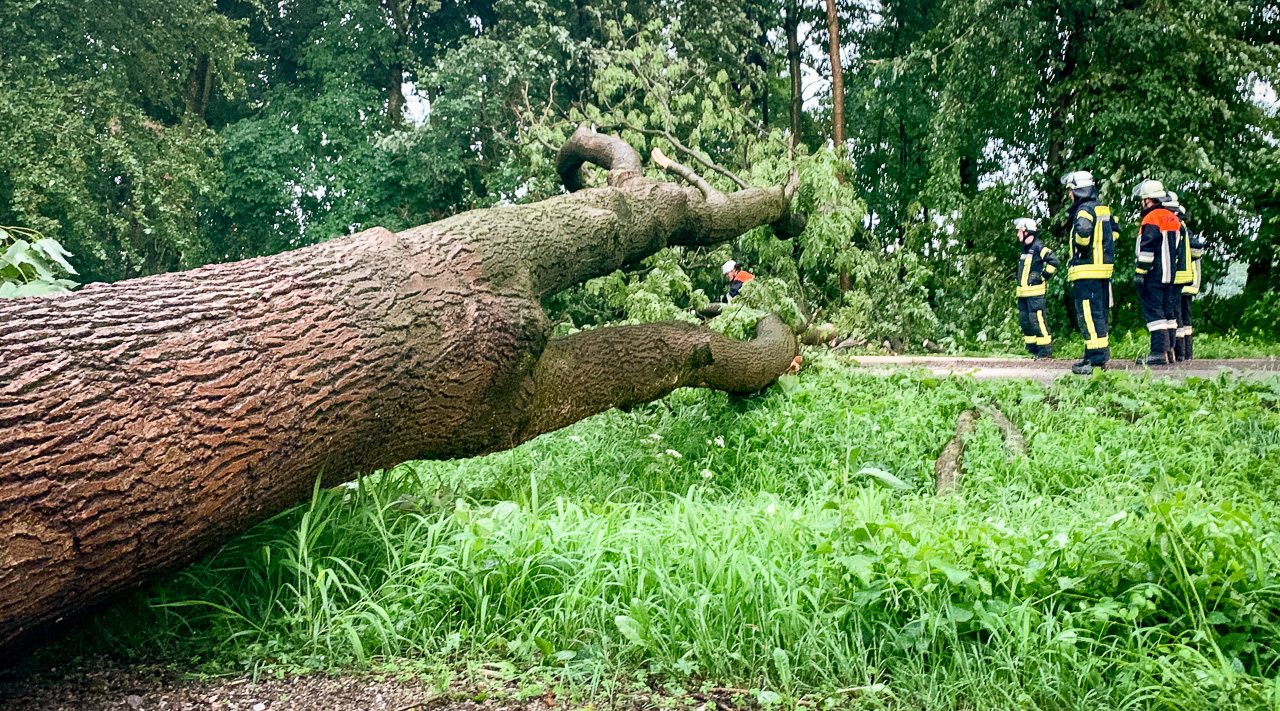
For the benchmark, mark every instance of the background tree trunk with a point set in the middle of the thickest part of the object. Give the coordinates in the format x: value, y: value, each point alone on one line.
x: 844, y: 282
x: 144, y: 423
x: 791, y: 26
x: 837, y: 77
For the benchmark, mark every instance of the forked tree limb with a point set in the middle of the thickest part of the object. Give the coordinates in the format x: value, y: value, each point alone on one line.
x: 689, y: 176
x: 948, y: 468
x: 579, y: 375
x: 680, y: 146
x: 586, y: 146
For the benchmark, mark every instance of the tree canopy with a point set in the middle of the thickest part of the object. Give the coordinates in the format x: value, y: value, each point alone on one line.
x: 153, y: 136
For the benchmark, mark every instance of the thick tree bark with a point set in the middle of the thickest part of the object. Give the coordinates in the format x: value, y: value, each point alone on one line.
x: 948, y: 468
x: 144, y: 423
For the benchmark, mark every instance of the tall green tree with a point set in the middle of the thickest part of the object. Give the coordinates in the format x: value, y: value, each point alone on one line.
x: 103, y: 140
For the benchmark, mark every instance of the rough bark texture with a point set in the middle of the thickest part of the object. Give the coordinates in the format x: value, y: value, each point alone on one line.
x: 144, y: 423
x: 947, y: 470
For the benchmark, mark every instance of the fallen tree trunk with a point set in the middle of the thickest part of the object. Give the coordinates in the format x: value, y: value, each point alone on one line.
x: 146, y: 422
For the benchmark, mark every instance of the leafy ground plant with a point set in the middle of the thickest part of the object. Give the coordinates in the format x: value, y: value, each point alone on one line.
x: 791, y: 543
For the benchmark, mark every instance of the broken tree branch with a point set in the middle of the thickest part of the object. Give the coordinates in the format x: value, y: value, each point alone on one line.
x: 947, y: 469
x: 689, y: 152
x: 689, y: 176
x: 1013, y: 439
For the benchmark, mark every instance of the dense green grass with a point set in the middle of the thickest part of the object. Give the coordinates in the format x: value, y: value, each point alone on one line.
x: 791, y: 542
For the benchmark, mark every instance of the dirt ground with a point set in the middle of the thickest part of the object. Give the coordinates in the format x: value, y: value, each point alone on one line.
x: 1046, y: 371
x: 102, y: 685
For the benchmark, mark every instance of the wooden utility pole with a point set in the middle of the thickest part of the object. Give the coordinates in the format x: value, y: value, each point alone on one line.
x: 837, y: 76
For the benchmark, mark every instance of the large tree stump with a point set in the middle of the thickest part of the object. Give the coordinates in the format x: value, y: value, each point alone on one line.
x: 144, y: 423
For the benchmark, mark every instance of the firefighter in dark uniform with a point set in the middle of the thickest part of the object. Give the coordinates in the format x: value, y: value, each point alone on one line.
x: 1093, y: 252
x: 1186, y: 278
x: 1036, y: 264
x: 1157, y: 251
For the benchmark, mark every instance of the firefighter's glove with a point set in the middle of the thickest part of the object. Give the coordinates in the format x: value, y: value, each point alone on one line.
x: 1139, y: 280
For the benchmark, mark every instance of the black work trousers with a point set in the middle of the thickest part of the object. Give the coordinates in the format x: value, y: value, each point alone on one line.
x: 1161, y: 310
x: 1035, y: 331
x: 1184, y: 316
x: 1093, y: 310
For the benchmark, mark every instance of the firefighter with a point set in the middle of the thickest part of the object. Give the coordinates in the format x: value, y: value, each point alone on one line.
x: 1155, y: 270
x: 1093, y: 230
x: 1036, y: 264
x: 1186, y: 278
x: 737, y: 277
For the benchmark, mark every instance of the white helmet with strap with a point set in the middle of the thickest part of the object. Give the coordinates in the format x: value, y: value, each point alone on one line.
x: 728, y: 267
x: 1150, y: 190
x: 1078, y: 179
x: 1026, y: 223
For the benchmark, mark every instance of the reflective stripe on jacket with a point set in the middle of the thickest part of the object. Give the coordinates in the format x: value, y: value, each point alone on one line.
x: 1195, y: 251
x: 1036, y: 263
x: 1093, y: 245
x: 1157, y: 243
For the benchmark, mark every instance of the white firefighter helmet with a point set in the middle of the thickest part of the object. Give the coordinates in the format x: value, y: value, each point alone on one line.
x: 1026, y: 223
x: 1171, y: 201
x: 1150, y: 190
x: 1078, y: 179
x: 728, y: 267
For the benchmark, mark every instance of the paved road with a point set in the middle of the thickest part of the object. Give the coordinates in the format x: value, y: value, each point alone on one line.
x: 1046, y: 371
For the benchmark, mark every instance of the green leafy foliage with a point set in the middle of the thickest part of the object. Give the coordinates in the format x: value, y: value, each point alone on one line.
x: 889, y: 301
x: 191, y: 132
x: 31, y: 264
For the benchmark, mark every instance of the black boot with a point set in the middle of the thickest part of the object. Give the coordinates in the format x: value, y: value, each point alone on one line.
x: 1092, y: 359
x: 1186, y: 348
x: 1180, y: 348
x: 1157, y: 354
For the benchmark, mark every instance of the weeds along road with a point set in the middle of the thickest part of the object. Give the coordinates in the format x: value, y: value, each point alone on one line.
x: 1048, y: 371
